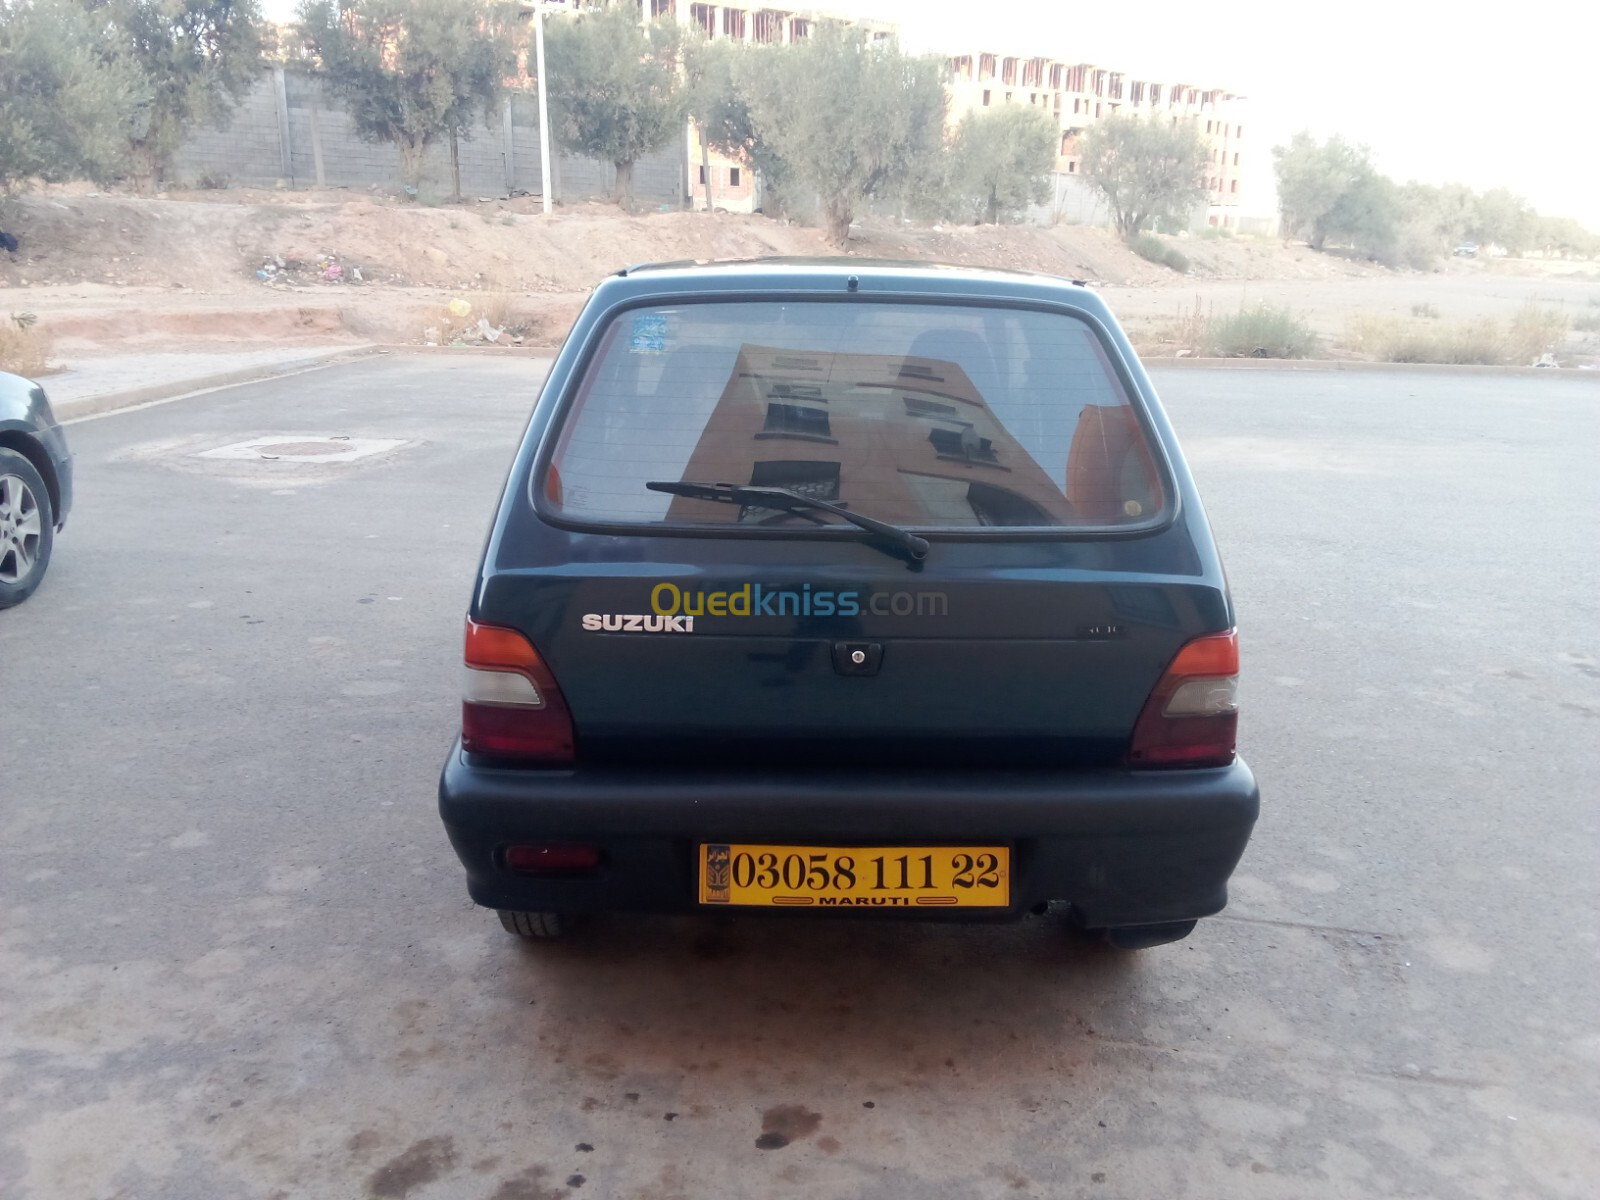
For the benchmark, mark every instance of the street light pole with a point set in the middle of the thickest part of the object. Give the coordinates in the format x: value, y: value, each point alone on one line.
x: 544, y: 107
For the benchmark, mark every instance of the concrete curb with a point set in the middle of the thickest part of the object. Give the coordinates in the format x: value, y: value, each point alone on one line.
x: 1153, y: 363
x: 108, y: 402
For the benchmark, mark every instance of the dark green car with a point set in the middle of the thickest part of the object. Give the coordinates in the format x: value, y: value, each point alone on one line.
x: 844, y: 586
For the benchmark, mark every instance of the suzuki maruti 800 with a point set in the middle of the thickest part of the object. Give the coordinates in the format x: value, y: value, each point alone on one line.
x: 843, y: 587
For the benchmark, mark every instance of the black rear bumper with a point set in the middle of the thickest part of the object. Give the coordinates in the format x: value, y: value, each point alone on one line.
x: 1124, y: 847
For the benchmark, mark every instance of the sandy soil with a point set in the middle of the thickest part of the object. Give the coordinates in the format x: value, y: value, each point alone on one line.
x: 112, y: 273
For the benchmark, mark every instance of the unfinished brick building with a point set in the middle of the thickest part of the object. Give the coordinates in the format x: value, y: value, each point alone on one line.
x: 1078, y: 94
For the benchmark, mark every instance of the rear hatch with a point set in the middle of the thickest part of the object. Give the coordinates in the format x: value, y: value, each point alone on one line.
x: 1060, y: 578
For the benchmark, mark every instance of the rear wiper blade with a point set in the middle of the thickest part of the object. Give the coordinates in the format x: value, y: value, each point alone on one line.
x: 784, y: 500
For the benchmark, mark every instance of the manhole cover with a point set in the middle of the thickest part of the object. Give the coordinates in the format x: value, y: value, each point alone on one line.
x: 301, y: 449
x: 304, y: 448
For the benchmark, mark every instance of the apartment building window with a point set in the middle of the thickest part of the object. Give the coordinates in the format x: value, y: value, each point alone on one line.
x: 1072, y: 167
x: 733, y: 176
x: 768, y: 27
x: 704, y: 16
x: 1097, y: 110
x: 1239, y: 132
x: 1236, y: 158
x: 1033, y: 97
x: 1055, y: 77
x: 1155, y: 94
x: 1065, y: 139
x: 932, y: 409
x: 986, y: 97
x: 961, y: 67
x: 1008, y: 70
x: 1075, y: 105
x: 1208, y: 130
x: 1235, y: 186
x: 985, y: 67
x: 963, y: 443
x: 819, y: 480
x: 794, y: 420
x: 800, y: 30
x: 663, y: 8
x: 702, y: 175
x: 733, y: 24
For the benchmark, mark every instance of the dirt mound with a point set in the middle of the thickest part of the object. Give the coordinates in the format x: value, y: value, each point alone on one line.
x: 104, y: 270
x: 227, y: 242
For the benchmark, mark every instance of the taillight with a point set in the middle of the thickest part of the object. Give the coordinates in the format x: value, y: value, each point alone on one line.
x: 1192, y: 717
x: 510, y: 704
x: 541, y: 859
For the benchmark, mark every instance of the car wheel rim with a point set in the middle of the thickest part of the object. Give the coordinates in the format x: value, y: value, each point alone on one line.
x: 20, y: 529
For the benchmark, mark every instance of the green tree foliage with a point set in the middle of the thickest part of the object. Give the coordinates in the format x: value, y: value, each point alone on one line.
x: 70, y: 96
x: 1504, y: 220
x: 1148, y: 170
x: 198, y: 58
x: 1366, y: 216
x: 716, y: 104
x: 412, y: 72
x: 1321, y: 186
x: 1564, y: 236
x: 1331, y: 192
x: 615, y: 87
x: 846, y: 117
x: 1000, y: 162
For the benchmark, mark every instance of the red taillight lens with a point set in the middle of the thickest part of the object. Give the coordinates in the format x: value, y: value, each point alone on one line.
x: 1192, y: 717
x: 511, y: 706
x: 552, y: 860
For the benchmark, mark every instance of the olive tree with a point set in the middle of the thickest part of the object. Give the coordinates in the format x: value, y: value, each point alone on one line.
x: 1000, y: 162
x: 1148, y: 170
x: 411, y: 72
x: 848, y: 117
x: 70, y: 94
x: 198, y: 59
x: 615, y: 87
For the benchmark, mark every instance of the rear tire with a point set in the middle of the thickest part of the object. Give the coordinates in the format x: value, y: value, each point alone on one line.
x: 27, y: 528
x: 535, y: 926
x: 1143, y: 937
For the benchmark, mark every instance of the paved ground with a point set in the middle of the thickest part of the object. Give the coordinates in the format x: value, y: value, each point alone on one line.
x: 237, y: 960
x: 91, y: 383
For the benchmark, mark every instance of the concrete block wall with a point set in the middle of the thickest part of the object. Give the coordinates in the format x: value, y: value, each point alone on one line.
x: 277, y: 130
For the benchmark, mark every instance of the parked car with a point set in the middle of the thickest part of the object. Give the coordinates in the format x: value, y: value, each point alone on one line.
x: 35, y: 486
x: 1466, y: 250
x: 831, y: 586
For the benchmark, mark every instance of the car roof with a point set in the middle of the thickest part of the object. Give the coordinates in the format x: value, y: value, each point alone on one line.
x: 866, y: 277
x: 804, y: 267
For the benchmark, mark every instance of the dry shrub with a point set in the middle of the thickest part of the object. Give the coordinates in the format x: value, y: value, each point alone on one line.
x: 1259, y: 331
x: 1534, y: 331
x: 24, y: 347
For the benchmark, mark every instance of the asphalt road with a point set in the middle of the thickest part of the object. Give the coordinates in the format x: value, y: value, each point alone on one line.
x: 237, y: 958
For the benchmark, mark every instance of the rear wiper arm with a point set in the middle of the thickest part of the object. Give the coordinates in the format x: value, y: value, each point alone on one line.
x: 784, y: 500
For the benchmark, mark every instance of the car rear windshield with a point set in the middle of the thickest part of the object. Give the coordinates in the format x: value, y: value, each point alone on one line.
x: 929, y: 416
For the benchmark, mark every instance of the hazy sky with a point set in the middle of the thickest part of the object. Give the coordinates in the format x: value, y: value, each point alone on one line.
x: 1492, y: 96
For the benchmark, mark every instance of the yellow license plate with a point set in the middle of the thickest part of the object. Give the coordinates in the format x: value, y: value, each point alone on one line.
x: 856, y: 876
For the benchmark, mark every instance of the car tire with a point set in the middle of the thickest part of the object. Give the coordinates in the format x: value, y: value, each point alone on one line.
x: 27, y: 528
x: 1143, y: 937
x: 536, y: 926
